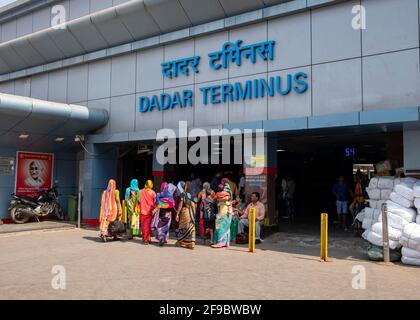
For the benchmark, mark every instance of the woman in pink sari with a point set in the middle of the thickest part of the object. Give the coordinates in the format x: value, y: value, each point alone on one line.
x: 147, y: 204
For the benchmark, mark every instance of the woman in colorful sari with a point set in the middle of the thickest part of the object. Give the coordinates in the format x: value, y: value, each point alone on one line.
x: 147, y: 203
x: 162, y: 214
x: 185, y: 215
x: 223, y: 217
x: 132, y: 200
x: 110, y: 208
x: 207, y: 212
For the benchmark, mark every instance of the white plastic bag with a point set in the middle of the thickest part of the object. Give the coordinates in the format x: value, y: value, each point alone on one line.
x: 394, y: 221
x: 410, y: 253
x: 410, y: 237
x: 416, y: 189
x: 367, y: 223
x: 409, y: 180
x: 373, y: 203
x: 376, y: 239
x: 386, y: 182
x: 385, y: 194
x: 405, y: 189
x: 393, y: 234
x: 408, y: 214
x: 360, y: 216
x: 410, y: 261
x: 373, y: 183
x: 374, y: 194
x: 417, y: 203
x: 398, y: 199
x: 371, y: 213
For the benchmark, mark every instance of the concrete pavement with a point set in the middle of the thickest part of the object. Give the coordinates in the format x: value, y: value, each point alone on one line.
x: 284, y: 267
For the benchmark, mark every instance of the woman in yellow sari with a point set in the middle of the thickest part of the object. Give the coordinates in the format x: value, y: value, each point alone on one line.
x: 110, y: 208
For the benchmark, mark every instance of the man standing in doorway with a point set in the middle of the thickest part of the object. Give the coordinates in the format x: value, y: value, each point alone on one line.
x: 259, y: 216
x: 216, y: 181
x: 341, y: 193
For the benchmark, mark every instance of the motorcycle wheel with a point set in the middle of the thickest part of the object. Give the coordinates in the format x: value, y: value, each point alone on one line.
x: 59, y: 212
x: 18, y: 216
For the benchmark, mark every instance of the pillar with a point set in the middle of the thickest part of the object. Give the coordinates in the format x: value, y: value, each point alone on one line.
x: 411, y: 138
x: 260, y: 169
x: 99, y: 165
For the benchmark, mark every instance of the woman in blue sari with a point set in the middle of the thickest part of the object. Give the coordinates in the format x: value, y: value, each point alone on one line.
x: 163, y: 212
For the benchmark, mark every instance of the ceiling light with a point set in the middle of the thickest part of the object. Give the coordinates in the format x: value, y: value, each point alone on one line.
x: 24, y: 136
x: 59, y: 139
x: 280, y: 150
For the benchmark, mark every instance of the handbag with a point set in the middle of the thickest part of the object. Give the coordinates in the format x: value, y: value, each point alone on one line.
x: 116, y: 227
x: 242, y: 238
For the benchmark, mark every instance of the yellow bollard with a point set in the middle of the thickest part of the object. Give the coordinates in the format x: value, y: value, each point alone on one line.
x: 324, y: 236
x: 124, y: 212
x: 251, y: 237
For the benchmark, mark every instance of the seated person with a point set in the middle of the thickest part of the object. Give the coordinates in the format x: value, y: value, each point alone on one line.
x: 259, y: 216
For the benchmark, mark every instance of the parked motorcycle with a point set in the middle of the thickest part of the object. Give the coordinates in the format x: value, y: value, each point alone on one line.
x: 22, y: 208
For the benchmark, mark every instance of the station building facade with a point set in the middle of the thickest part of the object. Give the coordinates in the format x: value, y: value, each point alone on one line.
x: 114, y: 73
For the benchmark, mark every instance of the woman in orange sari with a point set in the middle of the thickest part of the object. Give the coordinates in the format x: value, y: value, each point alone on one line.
x: 147, y: 204
x: 110, y: 208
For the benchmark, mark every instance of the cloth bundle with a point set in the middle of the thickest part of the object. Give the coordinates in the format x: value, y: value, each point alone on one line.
x: 410, y: 240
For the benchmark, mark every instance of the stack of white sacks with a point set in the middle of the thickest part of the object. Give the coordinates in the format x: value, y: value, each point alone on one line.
x: 401, y: 216
x: 410, y: 239
x: 379, y: 191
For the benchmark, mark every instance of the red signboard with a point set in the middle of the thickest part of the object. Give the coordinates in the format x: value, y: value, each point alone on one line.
x: 34, y: 173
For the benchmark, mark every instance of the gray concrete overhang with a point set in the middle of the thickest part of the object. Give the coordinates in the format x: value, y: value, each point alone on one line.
x: 44, y: 121
x: 130, y: 21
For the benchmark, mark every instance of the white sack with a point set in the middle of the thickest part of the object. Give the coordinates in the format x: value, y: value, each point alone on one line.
x: 410, y: 253
x: 417, y: 203
x: 373, y: 203
x: 373, y: 183
x: 360, y: 216
x: 385, y: 194
x: 410, y: 237
x: 416, y: 189
x: 367, y: 223
x: 408, y: 214
x: 410, y: 261
x: 398, y: 199
x: 371, y: 213
x: 409, y: 180
x: 386, y: 182
x: 405, y: 189
x: 394, y: 221
x: 374, y: 194
x: 376, y: 239
x: 393, y: 234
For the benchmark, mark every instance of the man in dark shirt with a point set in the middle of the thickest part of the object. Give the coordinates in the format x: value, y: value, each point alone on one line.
x: 341, y: 193
x: 217, y: 179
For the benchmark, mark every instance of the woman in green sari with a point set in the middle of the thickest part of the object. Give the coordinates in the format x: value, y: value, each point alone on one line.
x: 132, y: 199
